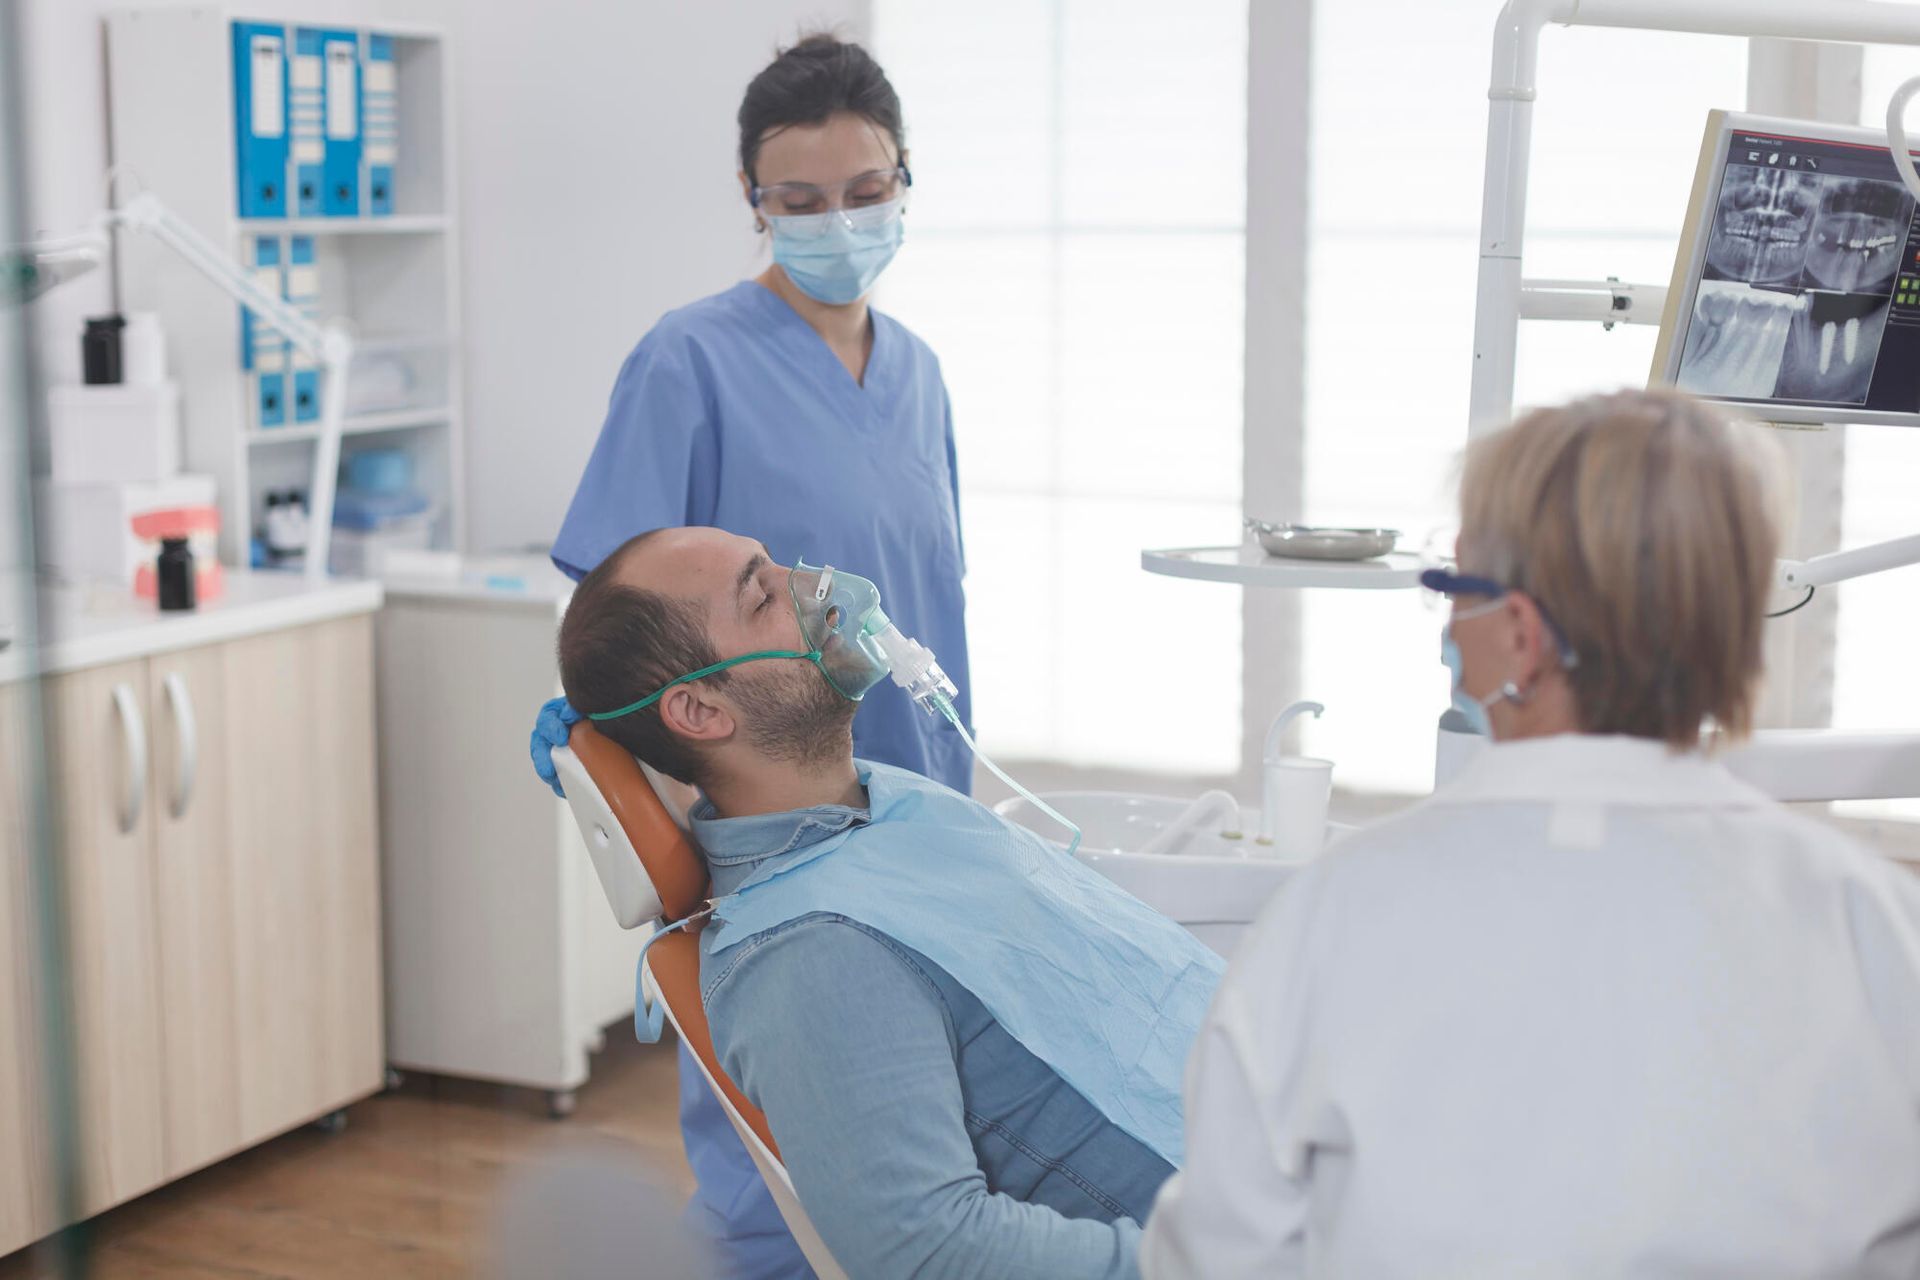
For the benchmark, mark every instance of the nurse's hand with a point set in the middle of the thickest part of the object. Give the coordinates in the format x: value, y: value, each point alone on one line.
x: 550, y: 731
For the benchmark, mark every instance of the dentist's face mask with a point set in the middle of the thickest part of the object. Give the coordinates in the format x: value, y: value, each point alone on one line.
x: 840, y: 617
x: 1474, y: 709
x: 835, y: 257
x: 1447, y: 585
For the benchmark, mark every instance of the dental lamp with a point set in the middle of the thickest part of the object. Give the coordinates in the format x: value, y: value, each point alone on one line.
x: 1897, y: 134
x: 46, y: 264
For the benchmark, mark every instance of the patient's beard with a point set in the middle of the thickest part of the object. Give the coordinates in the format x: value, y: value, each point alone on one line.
x: 795, y: 717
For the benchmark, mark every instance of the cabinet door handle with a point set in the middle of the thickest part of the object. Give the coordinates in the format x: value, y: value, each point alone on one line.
x: 133, y: 743
x: 187, y: 735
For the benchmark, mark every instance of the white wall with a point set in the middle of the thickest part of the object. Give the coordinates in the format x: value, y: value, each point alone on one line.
x: 62, y: 61
x: 598, y: 192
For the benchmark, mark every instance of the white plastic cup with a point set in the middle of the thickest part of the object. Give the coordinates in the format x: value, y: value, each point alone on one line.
x: 1299, y: 788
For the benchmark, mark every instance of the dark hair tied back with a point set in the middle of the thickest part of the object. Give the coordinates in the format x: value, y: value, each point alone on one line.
x: 817, y: 78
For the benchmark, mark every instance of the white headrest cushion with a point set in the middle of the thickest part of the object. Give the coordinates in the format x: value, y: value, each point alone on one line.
x: 622, y: 875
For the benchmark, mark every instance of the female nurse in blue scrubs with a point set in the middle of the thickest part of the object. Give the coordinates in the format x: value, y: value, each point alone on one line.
x: 788, y: 410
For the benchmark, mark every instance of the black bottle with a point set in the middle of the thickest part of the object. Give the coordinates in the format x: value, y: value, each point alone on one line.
x: 100, y: 351
x: 176, y: 575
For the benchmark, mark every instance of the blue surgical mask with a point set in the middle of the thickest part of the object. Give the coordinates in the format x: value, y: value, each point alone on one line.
x: 835, y: 257
x: 1465, y: 703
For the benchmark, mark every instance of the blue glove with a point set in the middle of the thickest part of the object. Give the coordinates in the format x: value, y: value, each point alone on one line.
x: 550, y: 731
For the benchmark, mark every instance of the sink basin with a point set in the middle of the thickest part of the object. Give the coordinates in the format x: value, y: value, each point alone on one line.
x: 1215, y: 886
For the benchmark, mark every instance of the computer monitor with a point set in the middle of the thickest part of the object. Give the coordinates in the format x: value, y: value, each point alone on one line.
x: 1796, y: 289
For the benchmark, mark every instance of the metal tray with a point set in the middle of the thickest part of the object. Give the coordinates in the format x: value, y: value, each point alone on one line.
x: 1311, y: 542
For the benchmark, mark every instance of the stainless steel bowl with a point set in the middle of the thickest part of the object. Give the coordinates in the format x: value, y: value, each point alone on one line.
x: 1313, y: 542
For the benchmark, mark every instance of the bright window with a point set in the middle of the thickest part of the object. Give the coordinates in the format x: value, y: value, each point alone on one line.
x: 1074, y: 255
x: 1399, y: 113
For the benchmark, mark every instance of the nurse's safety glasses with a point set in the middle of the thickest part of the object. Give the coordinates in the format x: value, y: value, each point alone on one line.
x: 803, y: 199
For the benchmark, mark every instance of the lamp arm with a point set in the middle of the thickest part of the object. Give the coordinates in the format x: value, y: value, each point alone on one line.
x: 1843, y: 566
x: 1897, y: 134
x: 329, y: 345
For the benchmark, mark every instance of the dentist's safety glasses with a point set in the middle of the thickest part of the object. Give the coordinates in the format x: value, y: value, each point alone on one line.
x: 841, y: 620
x: 1474, y: 597
x: 1467, y: 596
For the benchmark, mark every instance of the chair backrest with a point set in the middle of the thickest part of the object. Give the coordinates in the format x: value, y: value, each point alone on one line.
x: 651, y: 872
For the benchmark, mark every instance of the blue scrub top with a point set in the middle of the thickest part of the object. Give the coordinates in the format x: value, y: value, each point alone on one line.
x: 733, y: 412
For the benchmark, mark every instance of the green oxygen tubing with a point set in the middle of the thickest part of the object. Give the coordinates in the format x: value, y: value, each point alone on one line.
x: 914, y: 668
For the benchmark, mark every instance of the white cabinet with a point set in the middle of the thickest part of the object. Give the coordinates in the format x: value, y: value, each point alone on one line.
x: 503, y: 960
x: 214, y: 829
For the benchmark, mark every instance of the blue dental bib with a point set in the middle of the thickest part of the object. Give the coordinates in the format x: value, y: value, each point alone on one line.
x: 1099, y: 986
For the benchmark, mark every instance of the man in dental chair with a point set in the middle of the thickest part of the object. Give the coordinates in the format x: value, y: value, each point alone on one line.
x: 968, y: 1046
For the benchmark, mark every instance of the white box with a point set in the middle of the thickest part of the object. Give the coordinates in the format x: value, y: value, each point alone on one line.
x: 361, y: 553
x: 110, y: 434
x: 110, y: 532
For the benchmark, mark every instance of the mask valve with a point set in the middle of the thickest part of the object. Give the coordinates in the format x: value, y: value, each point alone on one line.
x: 914, y: 668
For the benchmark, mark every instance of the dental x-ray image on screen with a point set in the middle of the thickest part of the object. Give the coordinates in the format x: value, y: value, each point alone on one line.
x: 1857, y: 235
x: 1832, y: 346
x: 1737, y: 340
x: 1760, y: 232
x: 1797, y: 290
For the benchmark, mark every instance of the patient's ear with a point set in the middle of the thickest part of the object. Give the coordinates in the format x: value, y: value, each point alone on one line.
x: 690, y: 715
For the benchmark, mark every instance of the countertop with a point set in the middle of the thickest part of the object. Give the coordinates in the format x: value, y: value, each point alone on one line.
x: 87, y: 626
x: 514, y: 580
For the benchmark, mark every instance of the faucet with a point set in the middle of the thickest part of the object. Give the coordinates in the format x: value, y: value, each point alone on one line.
x: 1270, y: 760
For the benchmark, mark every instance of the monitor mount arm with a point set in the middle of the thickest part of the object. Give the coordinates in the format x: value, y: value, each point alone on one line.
x: 1897, y: 134
x: 1823, y: 571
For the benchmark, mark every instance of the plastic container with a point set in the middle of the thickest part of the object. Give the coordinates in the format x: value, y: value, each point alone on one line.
x: 143, y: 351
x: 382, y: 471
x: 361, y: 553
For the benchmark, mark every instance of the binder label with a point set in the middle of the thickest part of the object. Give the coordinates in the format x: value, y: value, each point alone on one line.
x: 343, y: 96
x: 267, y: 119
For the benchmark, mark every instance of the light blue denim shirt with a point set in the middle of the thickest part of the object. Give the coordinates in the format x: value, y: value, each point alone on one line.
x: 923, y: 1139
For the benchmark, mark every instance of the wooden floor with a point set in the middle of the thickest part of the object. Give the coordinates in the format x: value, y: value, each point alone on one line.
x: 406, y: 1190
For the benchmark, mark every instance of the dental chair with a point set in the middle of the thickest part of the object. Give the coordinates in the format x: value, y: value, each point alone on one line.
x: 653, y: 876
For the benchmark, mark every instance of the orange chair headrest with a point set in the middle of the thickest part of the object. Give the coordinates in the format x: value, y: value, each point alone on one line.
x: 646, y: 862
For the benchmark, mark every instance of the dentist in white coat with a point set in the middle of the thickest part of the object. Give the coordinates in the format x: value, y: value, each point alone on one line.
x: 1597, y: 1008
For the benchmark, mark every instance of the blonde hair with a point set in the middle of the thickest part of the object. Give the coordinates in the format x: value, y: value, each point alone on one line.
x: 1643, y: 523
